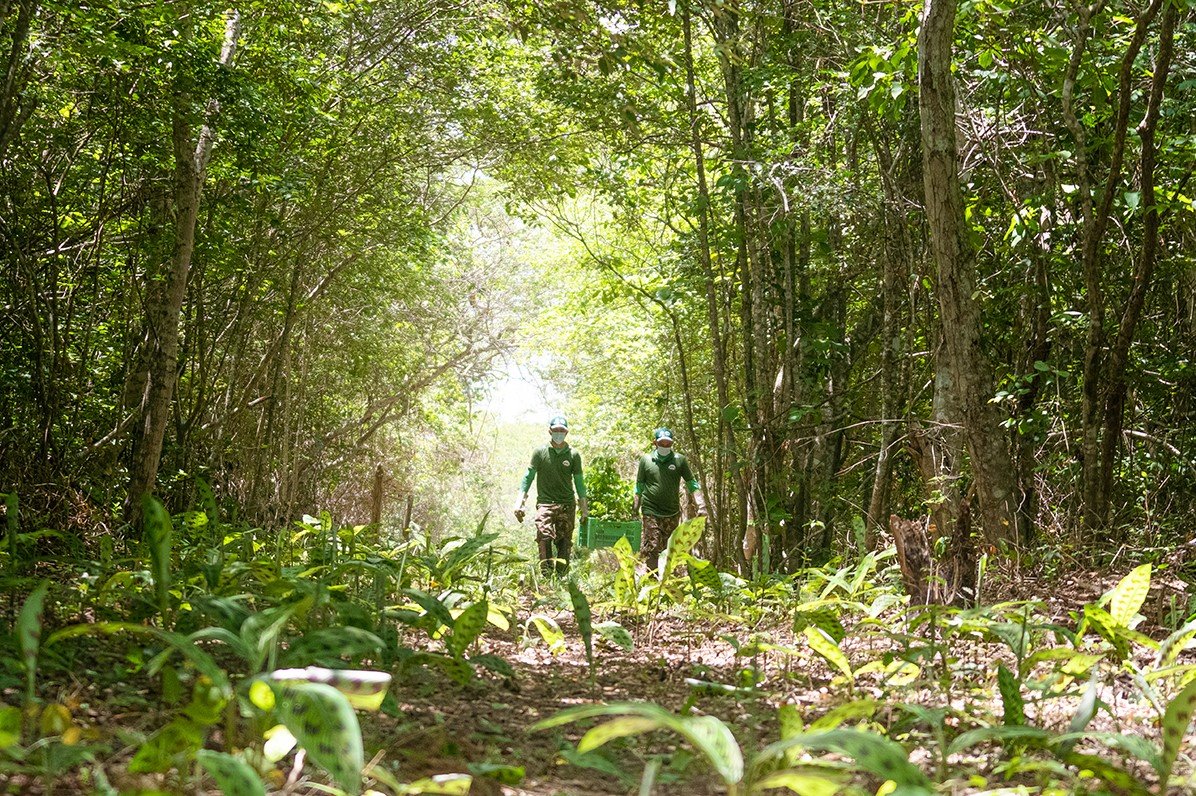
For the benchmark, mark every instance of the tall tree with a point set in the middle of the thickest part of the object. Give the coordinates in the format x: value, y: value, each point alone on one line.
x: 968, y: 372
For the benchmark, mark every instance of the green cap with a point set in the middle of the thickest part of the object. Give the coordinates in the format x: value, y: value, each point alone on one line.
x: 662, y: 433
x: 559, y: 422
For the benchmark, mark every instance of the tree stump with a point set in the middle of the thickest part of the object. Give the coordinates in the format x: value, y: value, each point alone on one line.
x: 930, y: 581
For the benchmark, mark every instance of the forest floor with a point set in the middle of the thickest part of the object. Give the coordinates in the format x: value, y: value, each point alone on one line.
x: 444, y: 728
x: 725, y: 666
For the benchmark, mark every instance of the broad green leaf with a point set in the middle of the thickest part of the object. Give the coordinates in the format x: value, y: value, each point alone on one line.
x: 681, y: 541
x: 1175, y: 644
x: 823, y: 614
x: 324, y: 724
x: 714, y: 738
x: 1085, y: 712
x: 581, y: 611
x: 457, y: 668
x: 1133, y: 745
x: 331, y: 644
x: 1011, y: 696
x: 616, y: 634
x: 433, y: 607
x: 233, y: 775
x: 1128, y: 595
x: 1000, y: 733
x: 621, y: 727
x: 159, y: 535
x: 499, y: 772
x: 858, y: 709
x: 872, y: 753
x: 707, y: 734
x: 792, y: 725
x: 1123, y: 781
x: 260, y: 631
x: 10, y: 726
x: 704, y: 574
x: 825, y: 646
x: 802, y: 782
x: 467, y: 627
x: 173, y: 746
x: 439, y: 785
x: 550, y: 631
x: 1176, y: 720
x: 1106, y: 627
x: 29, y: 631
x: 625, y: 591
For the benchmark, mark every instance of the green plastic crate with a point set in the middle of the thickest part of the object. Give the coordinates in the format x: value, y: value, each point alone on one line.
x: 604, y: 533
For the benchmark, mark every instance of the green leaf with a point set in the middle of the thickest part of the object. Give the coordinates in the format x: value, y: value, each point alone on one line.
x: 616, y: 634
x: 173, y: 746
x: 468, y: 626
x: 681, y: 541
x: 1011, y: 696
x: 433, y: 607
x: 1085, y: 713
x: 1128, y: 595
x: 999, y: 732
x: 823, y: 614
x: 1122, y: 780
x: 260, y: 631
x: 1176, y: 720
x: 550, y: 631
x: 158, y: 537
x: 233, y: 775
x: 331, y: 644
x: 10, y: 726
x: 704, y: 574
x: 581, y: 611
x: 792, y: 726
x: 872, y: 753
x: 625, y: 591
x: 707, y: 734
x: 825, y: 646
x: 622, y: 727
x: 802, y: 782
x: 457, y: 668
x: 324, y: 724
x: 29, y: 631
x: 1175, y: 644
x: 1134, y: 745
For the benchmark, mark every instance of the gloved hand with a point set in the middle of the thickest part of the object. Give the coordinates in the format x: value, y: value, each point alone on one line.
x: 520, y: 514
x: 583, y: 510
x: 698, y: 499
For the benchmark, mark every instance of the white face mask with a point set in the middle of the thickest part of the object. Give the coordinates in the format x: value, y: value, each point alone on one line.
x: 663, y: 451
x: 557, y: 436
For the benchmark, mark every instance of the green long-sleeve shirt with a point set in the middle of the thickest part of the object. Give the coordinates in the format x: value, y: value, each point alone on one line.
x: 557, y: 472
x: 658, y: 481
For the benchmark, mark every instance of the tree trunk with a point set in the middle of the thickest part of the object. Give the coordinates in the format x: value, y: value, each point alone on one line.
x: 725, y: 433
x: 165, y: 297
x: 992, y: 468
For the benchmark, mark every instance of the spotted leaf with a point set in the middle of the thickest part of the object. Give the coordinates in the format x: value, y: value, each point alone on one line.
x: 233, y: 775
x: 324, y: 724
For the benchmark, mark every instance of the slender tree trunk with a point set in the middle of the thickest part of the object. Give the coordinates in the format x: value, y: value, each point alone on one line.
x: 1096, y: 221
x: 165, y: 297
x: 726, y: 435
x: 988, y: 447
x: 1114, y: 409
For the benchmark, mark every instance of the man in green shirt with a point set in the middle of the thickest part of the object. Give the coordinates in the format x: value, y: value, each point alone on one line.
x: 556, y: 469
x: 657, y: 488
